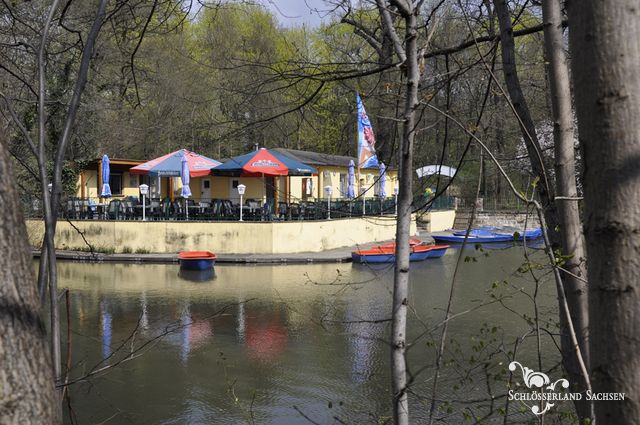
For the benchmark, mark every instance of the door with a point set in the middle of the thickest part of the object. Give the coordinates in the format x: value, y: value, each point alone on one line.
x: 233, y: 190
x: 205, y: 189
x: 270, y: 182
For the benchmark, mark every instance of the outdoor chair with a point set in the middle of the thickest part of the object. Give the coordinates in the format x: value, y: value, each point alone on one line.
x: 177, y: 210
x: 91, y: 210
x: 283, y: 210
x: 214, y: 212
x: 356, y: 210
x: 228, y: 211
x: 310, y: 211
x: 254, y: 209
x: 267, y: 213
x: 70, y: 209
x: 166, y: 209
x: 204, y: 208
x: 191, y: 211
x: 128, y: 209
x: 154, y: 209
x: 338, y: 209
x: 373, y: 207
x: 389, y: 206
x: 294, y: 212
x: 113, y: 212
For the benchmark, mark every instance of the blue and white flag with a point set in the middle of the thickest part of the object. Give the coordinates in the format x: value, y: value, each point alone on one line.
x: 366, y: 140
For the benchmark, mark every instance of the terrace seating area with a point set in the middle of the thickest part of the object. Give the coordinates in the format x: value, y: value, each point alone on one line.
x: 131, y: 208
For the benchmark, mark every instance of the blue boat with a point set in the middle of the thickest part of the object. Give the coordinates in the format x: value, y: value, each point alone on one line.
x: 489, y: 238
x: 196, y: 260
x: 489, y: 235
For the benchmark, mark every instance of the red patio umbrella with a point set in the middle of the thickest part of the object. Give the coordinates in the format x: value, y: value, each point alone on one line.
x: 263, y: 162
x: 170, y: 165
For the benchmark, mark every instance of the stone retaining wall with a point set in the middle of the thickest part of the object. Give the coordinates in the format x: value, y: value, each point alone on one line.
x: 219, y: 237
x: 496, y: 219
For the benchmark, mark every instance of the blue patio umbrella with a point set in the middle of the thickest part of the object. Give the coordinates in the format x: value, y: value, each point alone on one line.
x: 351, y: 190
x: 186, y: 190
x: 184, y: 176
x: 382, y: 193
x: 106, y: 189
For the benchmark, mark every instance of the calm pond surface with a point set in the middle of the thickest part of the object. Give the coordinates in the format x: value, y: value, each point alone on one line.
x: 287, y: 344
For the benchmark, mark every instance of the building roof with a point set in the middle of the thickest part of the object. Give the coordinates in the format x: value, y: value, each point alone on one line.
x: 115, y: 161
x: 320, y: 159
x: 314, y: 158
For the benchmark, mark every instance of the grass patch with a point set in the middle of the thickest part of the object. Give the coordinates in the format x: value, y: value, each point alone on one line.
x: 142, y: 251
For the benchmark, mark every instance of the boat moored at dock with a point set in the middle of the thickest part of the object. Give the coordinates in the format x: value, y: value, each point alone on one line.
x: 196, y: 260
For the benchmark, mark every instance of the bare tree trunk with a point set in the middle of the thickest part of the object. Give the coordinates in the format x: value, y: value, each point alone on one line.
x: 571, y: 237
x: 27, y: 393
x: 409, y: 54
x: 545, y: 190
x: 605, y: 60
x: 50, y: 201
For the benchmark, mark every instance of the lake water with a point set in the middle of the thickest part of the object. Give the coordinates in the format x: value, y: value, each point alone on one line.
x: 294, y: 344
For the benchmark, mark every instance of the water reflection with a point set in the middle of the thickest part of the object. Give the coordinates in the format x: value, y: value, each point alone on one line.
x: 105, y: 329
x: 259, y: 340
x: 197, y: 275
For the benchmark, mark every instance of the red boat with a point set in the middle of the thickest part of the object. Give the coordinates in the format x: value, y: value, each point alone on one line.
x: 196, y: 260
x: 387, y: 253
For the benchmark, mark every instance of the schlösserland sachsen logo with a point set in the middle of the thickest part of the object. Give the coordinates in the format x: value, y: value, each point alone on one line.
x: 545, y: 394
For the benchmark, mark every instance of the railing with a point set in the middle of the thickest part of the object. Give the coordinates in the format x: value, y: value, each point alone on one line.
x: 224, y: 210
x: 212, y: 210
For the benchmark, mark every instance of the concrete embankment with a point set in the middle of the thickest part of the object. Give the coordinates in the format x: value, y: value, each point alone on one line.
x: 340, y: 255
x: 260, y: 238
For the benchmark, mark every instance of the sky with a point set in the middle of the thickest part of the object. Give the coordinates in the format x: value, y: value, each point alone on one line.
x: 298, y: 12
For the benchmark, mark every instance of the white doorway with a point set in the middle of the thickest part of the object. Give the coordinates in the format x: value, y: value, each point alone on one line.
x: 205, y: 189
x: 233, y: 191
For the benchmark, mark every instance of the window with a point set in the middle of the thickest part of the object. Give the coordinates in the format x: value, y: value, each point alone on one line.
x: 154, y: 184
x: 206, y: 184
x: 344, y: 183
x: 235, y: 183
x: 133, y: 180
x: 115, y: 182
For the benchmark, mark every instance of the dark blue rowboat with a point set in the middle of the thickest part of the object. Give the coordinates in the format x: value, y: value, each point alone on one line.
x: 196, y: 260
x: 494, y: 235
x: 488, y: 238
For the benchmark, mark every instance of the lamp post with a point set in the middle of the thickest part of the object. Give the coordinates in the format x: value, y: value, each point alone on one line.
x: 395, y: 194
x: 241, y: 189
x: 144, y: 189
x: 328, y: 190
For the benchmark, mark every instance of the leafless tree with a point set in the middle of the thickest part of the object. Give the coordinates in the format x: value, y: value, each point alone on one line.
x: 605, y: 60
x: 27, y: 393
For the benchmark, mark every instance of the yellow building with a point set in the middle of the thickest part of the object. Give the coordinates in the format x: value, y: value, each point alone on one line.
x: 332, y: 171
x: 122, y: 183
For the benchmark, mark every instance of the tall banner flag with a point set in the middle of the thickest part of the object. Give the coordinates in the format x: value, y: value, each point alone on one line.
x: 366, y: 140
